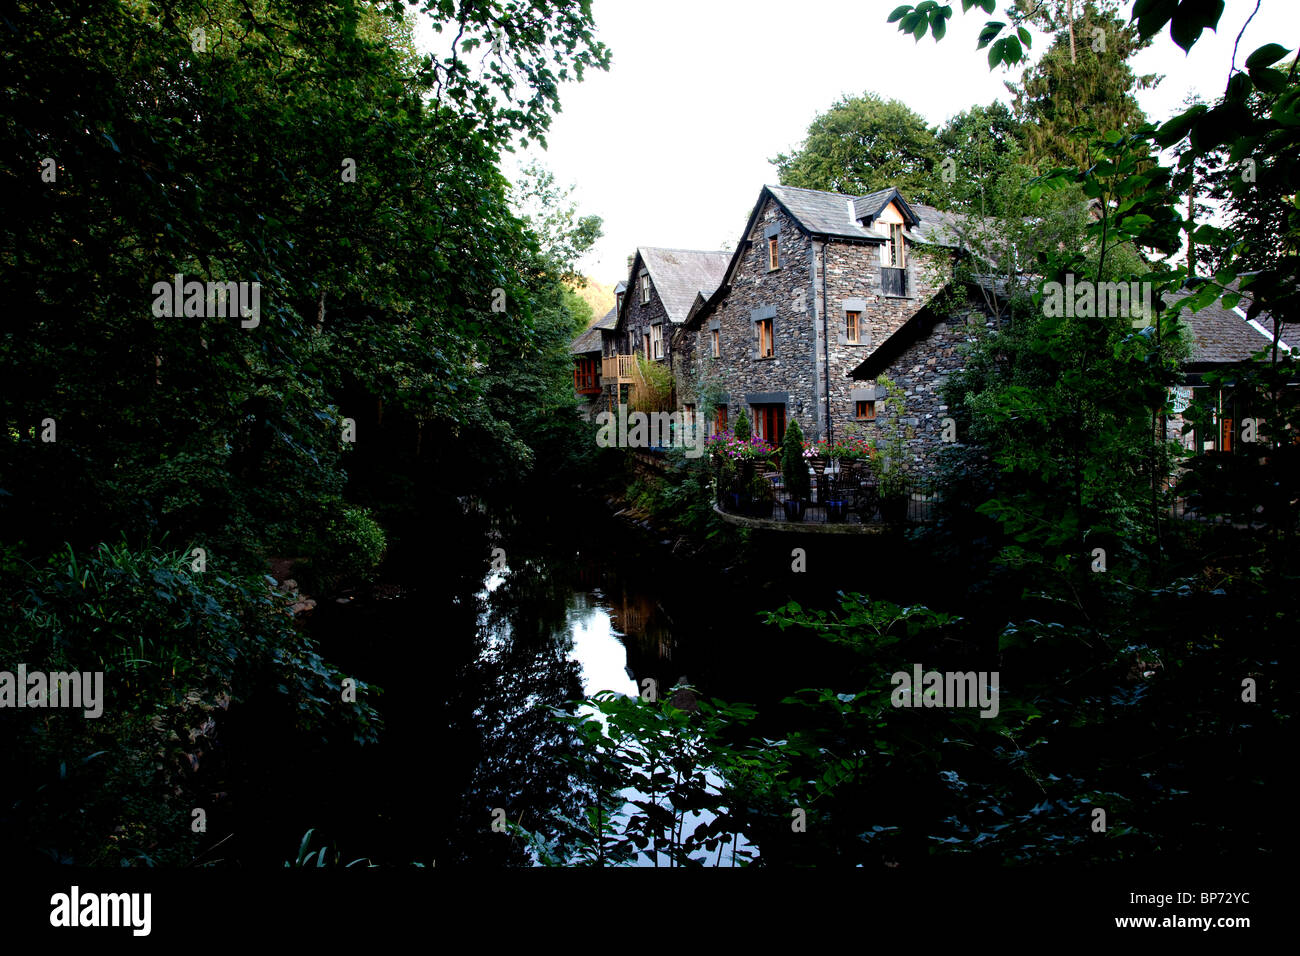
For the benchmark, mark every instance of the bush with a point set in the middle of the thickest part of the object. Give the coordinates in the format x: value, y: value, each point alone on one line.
x: 743, y: 430
x: 793, y: 467
x: 350, y: 548
x: 176, y: 645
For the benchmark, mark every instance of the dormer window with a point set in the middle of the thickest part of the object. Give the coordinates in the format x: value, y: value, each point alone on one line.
x: 895, y: 245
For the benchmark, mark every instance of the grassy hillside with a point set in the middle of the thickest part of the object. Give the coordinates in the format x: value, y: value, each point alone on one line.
x: 598, y: 295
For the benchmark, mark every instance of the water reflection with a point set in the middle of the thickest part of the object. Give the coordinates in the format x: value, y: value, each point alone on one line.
x: 597, y: 648
x: 471, y: 659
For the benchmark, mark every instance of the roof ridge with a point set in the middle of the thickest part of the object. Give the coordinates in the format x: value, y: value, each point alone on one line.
x: 707, y: 252
x: 824, y: 192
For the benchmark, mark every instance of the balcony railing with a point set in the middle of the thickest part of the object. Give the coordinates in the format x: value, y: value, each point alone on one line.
x: 893, y: 281
x: 841, y: 493
x: 618, y: 369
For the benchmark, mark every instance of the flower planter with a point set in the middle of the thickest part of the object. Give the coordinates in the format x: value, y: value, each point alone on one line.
x: 837, y: 511
x: 794, y: 509
x: 737, y: 503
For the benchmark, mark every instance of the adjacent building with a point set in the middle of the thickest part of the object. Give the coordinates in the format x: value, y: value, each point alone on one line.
x: 824, y: 296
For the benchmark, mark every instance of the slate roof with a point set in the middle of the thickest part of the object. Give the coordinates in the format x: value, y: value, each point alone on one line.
x: 835, y: 214
x: 589, y: 341
x: 679, y: 275
x: 1220, y: 336
x: 872, y: 204
x: 1223, y: 336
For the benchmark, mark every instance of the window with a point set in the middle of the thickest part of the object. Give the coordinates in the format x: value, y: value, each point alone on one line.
x: 645, y: 289
x: 716, y: 336
x: 865, y: 411
x: 769, y: 423
x: 851, y: 323
x: 645, y: 345
x: 657, y: 341
x: 765, y: 348
x: 586, y: 376
x: 773, y: 262
x: 1225, y: 432
x: 895, y: 245
x: 720, y: 419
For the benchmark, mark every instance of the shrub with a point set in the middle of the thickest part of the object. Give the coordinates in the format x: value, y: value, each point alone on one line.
x: 743, y: 430
x: 350, y: 547
x: 793, y: 467
x: 176, y: 646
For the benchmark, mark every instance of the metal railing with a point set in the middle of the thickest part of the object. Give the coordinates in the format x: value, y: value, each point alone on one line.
x: 840, y: 495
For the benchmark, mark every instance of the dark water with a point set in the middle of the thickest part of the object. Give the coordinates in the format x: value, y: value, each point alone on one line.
x: 469, y: 659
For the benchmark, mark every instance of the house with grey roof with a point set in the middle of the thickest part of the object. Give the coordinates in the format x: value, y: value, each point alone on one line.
x: 818, y: 283
x: 1223, y: 339
x: 589, y: 351
x: 662, y: 287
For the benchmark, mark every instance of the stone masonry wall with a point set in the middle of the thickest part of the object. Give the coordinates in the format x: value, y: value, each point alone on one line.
x: 640, y: 316
x: 921, y: 370
x: 853, y: 272
x: 786, y: 293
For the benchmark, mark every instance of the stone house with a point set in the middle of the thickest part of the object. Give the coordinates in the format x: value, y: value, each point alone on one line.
x: 1222, y: 339
x: 662, y: 286
x: 823, y: 294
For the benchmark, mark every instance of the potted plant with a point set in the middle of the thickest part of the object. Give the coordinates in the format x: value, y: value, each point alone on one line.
x: 891, y: 477
x: 893, y: 495
x: 760, y: 497
x: 794, y: 471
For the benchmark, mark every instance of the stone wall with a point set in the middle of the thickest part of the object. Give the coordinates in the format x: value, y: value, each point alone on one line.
x: 921, y: 370
x: 640, y: 316
x: 784, y: 295
x: 853, y: 282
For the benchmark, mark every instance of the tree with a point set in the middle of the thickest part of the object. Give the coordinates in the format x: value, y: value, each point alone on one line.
x: 1136, y: 201
x: 864, y: 143
x: 793, y: 466
x: 1258, y: 189
x: 978, y: 146
x: 358, y: 186
x: 1079, y: 90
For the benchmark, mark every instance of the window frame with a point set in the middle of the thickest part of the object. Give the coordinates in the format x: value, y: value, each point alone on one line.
x: 715, y: 340
x: 773, y: 254
x: 645, y: 290
x: 864, y: 410
x: 656, y: 341
x: 766, y: 338
x: 897, y: 253
x: 853, y: 321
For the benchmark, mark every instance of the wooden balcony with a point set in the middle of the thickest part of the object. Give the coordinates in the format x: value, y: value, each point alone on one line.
x: 618, y: 369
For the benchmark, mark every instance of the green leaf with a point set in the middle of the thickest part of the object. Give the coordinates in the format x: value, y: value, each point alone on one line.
x: 1266, y: 55
x: 991, y: 30
x: 899, y: 12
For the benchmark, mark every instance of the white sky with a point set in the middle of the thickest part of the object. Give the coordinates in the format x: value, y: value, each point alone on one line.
x: 671, y: 146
